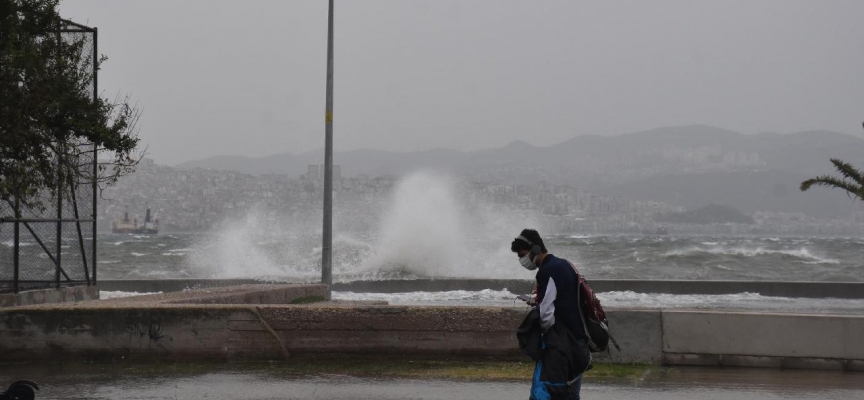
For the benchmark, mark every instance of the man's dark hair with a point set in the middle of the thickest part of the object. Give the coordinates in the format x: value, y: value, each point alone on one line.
x: 532, y: 235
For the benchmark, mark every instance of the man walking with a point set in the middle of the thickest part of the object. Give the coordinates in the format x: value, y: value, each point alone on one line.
x: 558, y: 375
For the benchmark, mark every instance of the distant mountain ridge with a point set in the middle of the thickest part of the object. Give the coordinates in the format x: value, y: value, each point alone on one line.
x: 691, y: 166
x: 809, y: 151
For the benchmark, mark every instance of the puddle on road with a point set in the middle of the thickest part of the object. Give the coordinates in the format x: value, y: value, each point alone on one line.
x: 220, y: 381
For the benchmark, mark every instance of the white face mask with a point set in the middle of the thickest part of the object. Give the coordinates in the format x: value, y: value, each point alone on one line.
x: 527, y: 262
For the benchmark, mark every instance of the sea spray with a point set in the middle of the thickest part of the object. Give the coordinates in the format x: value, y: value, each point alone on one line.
x: 421, y: 231
x: 235, y: 250
x: 432, y: 225
x: 433, y: 229
x: 263, y: 245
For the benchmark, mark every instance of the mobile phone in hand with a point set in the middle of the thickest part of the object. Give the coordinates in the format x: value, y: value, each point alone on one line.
x: 524, y: 297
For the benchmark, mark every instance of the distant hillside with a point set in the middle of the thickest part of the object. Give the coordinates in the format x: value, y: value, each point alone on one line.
x: 687, y: 165
x: 710, y: 214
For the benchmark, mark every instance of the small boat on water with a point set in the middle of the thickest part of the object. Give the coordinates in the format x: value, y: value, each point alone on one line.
x: 126, y: 225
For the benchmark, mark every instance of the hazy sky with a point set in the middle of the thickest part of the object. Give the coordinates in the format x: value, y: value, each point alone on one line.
x: 248, y: 77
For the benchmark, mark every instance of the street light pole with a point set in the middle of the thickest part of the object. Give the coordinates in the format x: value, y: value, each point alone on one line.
x: 327, y: 231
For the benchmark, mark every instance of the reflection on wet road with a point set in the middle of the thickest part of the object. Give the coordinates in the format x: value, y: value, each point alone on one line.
x: 220, y: 382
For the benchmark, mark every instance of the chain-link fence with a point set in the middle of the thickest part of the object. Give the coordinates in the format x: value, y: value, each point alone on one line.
x: 56, y: 246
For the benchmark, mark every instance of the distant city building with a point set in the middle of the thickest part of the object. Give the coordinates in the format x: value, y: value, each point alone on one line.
x: 316, y: 172
x: 312, y: 172
x: 200, y: 199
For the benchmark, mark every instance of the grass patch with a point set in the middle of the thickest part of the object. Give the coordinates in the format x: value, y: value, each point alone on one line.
x: 446, y: 369
x: 459, y: 369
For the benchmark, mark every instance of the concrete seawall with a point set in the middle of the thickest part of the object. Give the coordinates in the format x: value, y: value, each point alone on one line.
x: 179, y: 326
x: 51, y: 295
x: 253, y: 332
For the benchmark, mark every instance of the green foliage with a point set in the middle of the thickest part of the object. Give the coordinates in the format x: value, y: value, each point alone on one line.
x: 852, y: 180
x: 48, y: 111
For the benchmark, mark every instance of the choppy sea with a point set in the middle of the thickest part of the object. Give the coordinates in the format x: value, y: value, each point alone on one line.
x: 598, y: 257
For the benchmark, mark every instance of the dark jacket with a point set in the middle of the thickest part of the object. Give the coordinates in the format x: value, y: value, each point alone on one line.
x: 557, y: 296
x: 530, y: 335
x: 557, y: 325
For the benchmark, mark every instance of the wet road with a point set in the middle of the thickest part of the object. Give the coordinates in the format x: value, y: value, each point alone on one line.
x: 88, y: 382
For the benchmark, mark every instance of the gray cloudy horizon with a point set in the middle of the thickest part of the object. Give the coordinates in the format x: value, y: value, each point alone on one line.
x: 247, y: 78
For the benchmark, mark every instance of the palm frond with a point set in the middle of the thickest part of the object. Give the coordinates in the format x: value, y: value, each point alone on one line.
x: 830, y: 181
x: 848, y: 171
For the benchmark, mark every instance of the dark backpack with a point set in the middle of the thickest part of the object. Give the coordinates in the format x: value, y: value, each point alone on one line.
x: 593, y: 317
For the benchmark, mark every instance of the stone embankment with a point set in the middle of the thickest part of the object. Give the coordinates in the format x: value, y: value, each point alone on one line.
x: 280, y: 320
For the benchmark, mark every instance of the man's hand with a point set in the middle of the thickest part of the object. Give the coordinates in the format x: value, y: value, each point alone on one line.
x: 530, y: 299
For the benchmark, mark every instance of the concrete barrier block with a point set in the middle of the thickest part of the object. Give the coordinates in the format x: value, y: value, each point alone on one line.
x: 855, y: 365
x: 773, y: 335
x: 750, y: 361
x: 814, y: 363
x: 691, y: 359
x: 640, y: 335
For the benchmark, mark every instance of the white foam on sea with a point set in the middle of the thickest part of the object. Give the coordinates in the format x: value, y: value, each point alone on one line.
x: 626, y: 299
x: 454, y: 297
x: 802, y: 253
x: 11, y: 243
x: 738, y: 301
x: 108, y: 294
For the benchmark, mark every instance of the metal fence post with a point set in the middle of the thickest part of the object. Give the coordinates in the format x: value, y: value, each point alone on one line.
x: 16, y: 258
x: 59, y: 220
x: 61, y: 149
x: 95, y: 147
